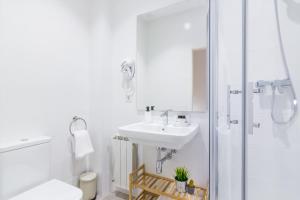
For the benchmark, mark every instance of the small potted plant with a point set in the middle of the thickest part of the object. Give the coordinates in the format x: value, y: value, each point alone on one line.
x: 190, y: 187
x: 182, y: 176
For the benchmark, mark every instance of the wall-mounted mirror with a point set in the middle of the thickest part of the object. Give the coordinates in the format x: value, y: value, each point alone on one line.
x: 172, y: 57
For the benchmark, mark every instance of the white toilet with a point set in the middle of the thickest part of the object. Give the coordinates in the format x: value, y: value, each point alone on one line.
x: 25, y: 172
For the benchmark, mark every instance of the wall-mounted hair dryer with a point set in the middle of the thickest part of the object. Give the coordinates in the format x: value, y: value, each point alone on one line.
x: 128, y: 69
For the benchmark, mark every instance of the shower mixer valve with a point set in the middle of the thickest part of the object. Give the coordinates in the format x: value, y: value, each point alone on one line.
x: 281, y: 86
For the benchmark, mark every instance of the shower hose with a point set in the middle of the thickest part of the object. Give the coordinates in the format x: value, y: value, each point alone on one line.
x: 294, y: 105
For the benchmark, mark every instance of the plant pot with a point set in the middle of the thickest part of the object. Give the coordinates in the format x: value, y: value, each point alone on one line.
x: 190, y: 190
x: 180, y: 186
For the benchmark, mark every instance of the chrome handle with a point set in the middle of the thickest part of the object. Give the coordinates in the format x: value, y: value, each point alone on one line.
x: 229, y: 93
x: 249, y: 109
x: 234, y: 121
x: 235, y: 91
x: 258, y: 90
x: 256, y: 125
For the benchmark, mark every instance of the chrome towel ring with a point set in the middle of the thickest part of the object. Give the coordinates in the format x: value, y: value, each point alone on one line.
x: 74, y: 120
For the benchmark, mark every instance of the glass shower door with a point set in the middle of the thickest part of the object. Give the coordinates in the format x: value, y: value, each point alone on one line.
x: 272, y: 139
x: 255, y: 90
x: 226, y: 84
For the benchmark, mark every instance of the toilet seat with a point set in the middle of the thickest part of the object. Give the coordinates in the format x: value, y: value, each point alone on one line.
x: 51, y: 190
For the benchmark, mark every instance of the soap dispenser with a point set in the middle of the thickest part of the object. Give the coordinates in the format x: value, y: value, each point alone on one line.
x: 148, y: 116
x: 152, y: 109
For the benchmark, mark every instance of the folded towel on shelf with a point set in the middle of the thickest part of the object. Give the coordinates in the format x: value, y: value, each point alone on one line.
x: 82, y: 144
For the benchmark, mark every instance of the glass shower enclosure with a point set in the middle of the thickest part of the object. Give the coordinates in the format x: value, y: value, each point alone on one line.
x: 254, y: 86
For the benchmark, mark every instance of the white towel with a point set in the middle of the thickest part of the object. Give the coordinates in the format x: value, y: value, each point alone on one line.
x: 82, y: 144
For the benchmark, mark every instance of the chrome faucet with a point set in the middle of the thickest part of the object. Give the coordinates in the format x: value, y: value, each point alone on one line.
x: 165, y: 117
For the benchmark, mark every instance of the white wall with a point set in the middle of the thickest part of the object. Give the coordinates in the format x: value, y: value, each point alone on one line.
x: 195, y: 155
x: 44, y: 73
x: 62, y: 58
x: 101, y: 114
x: 110, y: 109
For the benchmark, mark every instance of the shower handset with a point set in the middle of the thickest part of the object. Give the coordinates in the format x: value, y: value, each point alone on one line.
x: 280, y: 86
x: 285, y: 83
x: 128, y: 69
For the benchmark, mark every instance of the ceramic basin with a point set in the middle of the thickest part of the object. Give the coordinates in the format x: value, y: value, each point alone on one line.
x: 172, y: 137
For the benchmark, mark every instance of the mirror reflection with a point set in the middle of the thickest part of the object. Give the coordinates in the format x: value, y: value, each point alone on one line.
x: 172, y: 58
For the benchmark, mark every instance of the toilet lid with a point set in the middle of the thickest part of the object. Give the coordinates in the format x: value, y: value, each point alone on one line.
x: 51, y: 190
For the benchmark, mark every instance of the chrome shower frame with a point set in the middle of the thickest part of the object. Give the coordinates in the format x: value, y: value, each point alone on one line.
x: 213, y: 102
x: 213, y: 97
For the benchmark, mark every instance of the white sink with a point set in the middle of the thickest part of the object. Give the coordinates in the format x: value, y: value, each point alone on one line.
x: 155, y: 134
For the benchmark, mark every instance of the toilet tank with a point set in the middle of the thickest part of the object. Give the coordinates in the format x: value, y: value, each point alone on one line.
x: 24, y: 163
